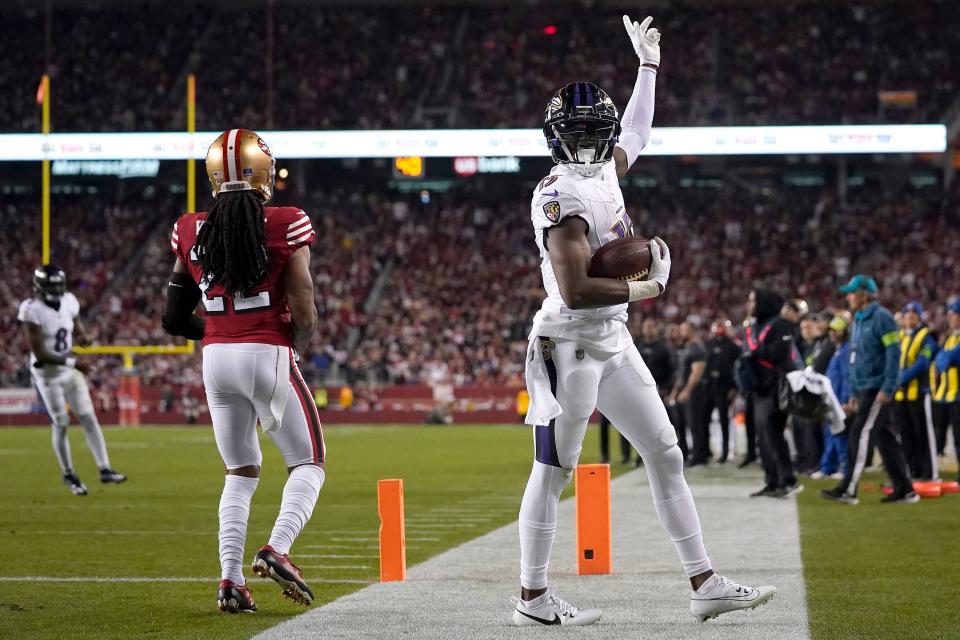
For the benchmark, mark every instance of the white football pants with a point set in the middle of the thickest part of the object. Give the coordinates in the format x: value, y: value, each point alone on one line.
x: 56, y: 392
x: 622, y: 388
x: 244, y: 382
x: 70, y: 387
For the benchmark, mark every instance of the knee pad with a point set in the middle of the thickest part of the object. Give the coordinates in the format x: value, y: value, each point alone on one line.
x: 547, y: 479
x: 579, y: 406
x: 665, y: 473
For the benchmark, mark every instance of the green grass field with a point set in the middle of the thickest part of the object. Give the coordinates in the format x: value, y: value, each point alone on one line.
x: 872, y: 572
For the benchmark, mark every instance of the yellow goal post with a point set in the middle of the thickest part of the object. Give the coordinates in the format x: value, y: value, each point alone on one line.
x: 126, y: 351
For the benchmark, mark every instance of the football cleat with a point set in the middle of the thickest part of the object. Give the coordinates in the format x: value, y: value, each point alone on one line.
x: 109, y: 475
x: 234, y: 599
x: 909, y: 497
x: 839, y: 495
x: 73, y: 483
x: 766, y: 492
x: 718, y: 595
x: 278, y: 567
x: 548, y: 609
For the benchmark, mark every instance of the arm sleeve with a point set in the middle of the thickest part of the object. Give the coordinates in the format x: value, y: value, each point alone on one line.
x: 637, y: 121
x: 183, y: 294
x: 922, y: 365
x: 890, y: 343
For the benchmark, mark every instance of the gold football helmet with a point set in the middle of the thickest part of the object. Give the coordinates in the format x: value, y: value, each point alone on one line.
x: 239, y: 160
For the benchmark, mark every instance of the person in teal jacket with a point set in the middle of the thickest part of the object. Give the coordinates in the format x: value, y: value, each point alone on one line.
x: 874, y: 370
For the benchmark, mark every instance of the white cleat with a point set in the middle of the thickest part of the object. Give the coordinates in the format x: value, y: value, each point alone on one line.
x: 718, y: 595
x: 549, y: 609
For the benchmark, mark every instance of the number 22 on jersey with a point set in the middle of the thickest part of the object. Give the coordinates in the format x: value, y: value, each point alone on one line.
x: 215, y: 305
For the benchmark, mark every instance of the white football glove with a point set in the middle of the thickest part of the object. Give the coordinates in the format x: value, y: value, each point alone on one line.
x: 659, y: 263
x: 646, y: 41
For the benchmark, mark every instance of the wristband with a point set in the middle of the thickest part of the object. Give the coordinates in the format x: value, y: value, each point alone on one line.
x: 70, y: 361
x: 643, y: 290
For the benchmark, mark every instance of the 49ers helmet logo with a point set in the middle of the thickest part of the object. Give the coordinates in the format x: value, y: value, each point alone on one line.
x: 264, y: 147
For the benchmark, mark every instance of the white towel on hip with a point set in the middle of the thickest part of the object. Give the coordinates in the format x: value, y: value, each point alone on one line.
x: 543, y: 404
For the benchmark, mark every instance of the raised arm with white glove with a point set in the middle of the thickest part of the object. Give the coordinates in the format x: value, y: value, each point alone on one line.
x: 637, y: 120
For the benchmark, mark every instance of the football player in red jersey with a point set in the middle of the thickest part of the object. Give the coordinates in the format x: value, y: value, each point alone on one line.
x: 250, y: 266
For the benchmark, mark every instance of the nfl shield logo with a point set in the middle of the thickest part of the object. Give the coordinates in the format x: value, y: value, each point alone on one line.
x: 552, y: 209
x: 579, y: 354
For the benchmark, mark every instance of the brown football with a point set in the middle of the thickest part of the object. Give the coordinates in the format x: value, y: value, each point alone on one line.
x: 624, y: 259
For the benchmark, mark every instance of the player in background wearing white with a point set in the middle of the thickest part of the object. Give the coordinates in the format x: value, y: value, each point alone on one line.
x: 581, y: 356
x: 49, y: 322
x: 250, y: 265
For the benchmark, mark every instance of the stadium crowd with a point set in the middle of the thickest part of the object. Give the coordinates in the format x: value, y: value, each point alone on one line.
x: 422, y: 65
x: 461, y: 278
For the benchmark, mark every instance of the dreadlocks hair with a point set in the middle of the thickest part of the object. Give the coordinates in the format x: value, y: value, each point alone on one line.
x: 232, y: 243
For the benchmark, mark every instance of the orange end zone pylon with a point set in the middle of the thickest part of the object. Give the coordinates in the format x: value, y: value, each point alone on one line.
x: 393, y: 544
x: 593, y: 519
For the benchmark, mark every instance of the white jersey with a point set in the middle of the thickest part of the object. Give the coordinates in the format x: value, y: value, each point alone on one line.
x: 599, y: 202
x: 56, y: 326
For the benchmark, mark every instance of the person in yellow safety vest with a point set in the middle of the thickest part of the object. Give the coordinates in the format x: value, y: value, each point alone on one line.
x: 913, y: 406
x: 321, y: 397
x: 523, y: 404
x: 947, y: 381
x: 346, y: 397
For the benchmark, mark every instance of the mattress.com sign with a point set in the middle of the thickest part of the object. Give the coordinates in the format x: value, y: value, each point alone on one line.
x: 471, y: 165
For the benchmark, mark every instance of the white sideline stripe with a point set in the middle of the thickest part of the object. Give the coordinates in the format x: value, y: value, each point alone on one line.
x: 647, y: 595
x: 446, y: 520
x: 146, y: 579
x: 351, y: 556
x: 442, y: 525
x: 335, y: 566
x: 364, y: 547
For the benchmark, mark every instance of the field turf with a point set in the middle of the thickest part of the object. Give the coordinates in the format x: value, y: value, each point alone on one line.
x: 871, y: 572
x: 881, y: 572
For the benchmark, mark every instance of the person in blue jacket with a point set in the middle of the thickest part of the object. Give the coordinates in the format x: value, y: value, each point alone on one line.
x: 874, y: 370
x: 833, y: 462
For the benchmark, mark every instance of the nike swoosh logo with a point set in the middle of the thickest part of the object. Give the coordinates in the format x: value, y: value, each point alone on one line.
x: 556, y: 618
x: 552, y: 195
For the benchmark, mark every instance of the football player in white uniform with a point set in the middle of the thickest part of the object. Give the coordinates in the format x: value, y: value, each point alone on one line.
x: 581, y: 356
x: 49, y: 322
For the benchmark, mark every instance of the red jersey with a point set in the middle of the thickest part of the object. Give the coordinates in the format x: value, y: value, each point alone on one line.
x: 263, y: 315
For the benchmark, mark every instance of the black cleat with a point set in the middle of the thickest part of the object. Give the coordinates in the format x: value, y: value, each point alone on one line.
x: 73, y: 483
x: 109, y: 475
x: 270, y: 564
x: 910, y: 497
x: 839, y: 495
x: 767, y: 492
x: 234, y: 599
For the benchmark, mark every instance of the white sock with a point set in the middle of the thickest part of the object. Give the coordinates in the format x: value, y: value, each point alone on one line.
x: 676, y: 510
x: 234, y: 512
x: 299, y: 497
x: 61, y: 447
x: 538, y: 522
x: 94, y: 435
